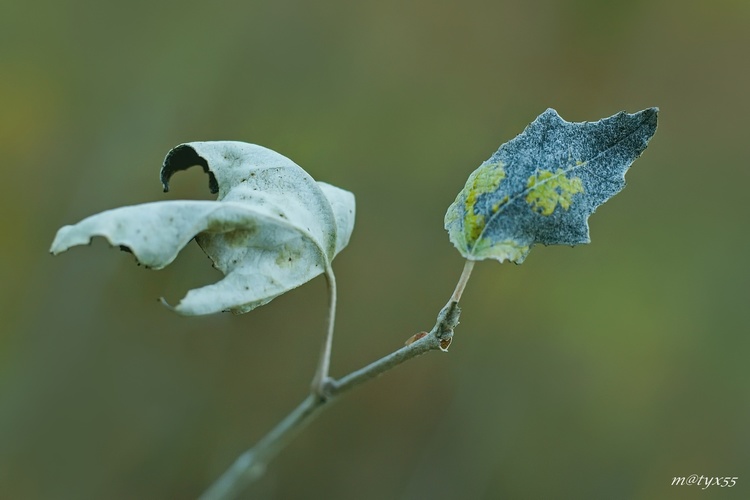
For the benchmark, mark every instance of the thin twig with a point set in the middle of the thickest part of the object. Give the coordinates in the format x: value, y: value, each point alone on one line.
x: 442, y: 331
x: 251, y: 464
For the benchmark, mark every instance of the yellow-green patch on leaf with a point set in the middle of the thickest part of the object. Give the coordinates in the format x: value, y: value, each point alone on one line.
x: 486, y: 179
x: 547, y: 190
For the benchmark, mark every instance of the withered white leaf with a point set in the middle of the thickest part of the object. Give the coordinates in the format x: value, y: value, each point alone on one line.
x: 271, y: 229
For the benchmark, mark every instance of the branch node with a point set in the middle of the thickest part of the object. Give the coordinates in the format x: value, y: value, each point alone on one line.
x: 324, y: 390
x: 447, y: 321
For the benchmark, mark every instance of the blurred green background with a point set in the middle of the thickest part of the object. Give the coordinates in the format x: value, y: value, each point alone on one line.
x: 595, y: 372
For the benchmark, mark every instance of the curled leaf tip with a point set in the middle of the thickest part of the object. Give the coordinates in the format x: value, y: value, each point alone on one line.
x: 542, y: 186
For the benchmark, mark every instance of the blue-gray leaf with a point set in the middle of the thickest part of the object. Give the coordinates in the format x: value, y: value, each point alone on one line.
x: 542, y: 186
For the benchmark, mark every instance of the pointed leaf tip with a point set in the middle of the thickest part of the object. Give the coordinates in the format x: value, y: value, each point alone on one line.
x: 542, y: 186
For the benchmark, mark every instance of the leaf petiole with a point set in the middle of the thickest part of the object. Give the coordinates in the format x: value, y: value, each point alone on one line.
x: 465, y: 275
x: 321, y: 378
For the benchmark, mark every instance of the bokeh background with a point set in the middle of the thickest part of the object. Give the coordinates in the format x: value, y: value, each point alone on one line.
x: 595, y: 372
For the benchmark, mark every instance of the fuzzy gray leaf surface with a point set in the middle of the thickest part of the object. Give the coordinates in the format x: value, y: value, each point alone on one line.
x: 542, y: 186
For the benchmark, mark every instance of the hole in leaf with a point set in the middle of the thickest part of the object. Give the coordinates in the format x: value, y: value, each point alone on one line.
x: 182, y: 158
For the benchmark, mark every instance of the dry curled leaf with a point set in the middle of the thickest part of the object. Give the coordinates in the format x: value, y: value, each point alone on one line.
x: 271, y: 229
